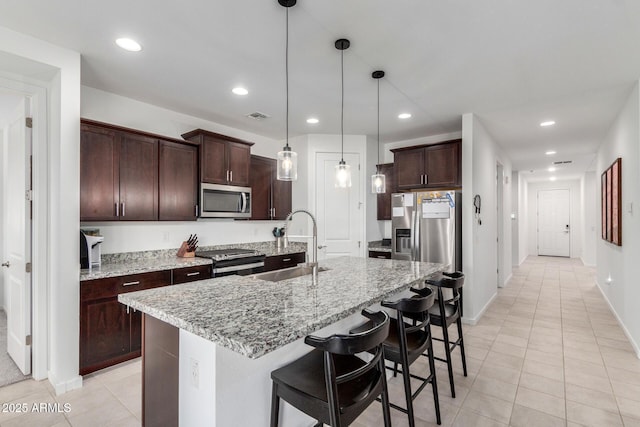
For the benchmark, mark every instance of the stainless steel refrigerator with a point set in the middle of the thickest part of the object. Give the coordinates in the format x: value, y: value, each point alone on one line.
x: 426, y: 226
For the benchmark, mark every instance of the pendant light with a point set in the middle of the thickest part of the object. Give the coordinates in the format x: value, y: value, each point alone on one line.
x: 378, y: 180
x: 343, y: 170
x: 287, y: 159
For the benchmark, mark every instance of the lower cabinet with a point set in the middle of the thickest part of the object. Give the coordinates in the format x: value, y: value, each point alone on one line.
x: 109, y: 332
x: 279, y: 262
x: 380, y: 254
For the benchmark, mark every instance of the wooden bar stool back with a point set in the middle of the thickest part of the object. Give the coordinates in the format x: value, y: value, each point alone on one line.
x: 332, y: 384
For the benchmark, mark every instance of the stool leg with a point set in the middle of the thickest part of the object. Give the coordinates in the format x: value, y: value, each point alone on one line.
x: 464, y: 359
x: 275, y: 405
x: 407, y: 388
x: 434, y: 380
x: 447, y: 351
x: 386, y: 413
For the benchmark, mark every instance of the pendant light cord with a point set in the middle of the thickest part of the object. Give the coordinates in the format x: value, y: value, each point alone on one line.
x: 378, y: 164
x: 286, y: 73
x: 342, y: 106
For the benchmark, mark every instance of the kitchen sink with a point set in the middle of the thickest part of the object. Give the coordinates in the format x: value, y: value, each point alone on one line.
x: 286, y: 273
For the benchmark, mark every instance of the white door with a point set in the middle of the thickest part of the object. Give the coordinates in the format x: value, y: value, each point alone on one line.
x: 17, y: 245
x: 554, y: 228
x: 339, y: 214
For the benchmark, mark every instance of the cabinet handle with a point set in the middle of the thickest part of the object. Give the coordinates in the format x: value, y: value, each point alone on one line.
x: 131, y: 283
x: 117, y: 210
x: 286, y: 260
x: 231, y: 180
x: 426, y: 179
x: 273, y: 214
x: 381, y: 256
x: 122, y: 208
x: 193, y: 274
x: 127, y: 309
x: 196, y: 211
x: 227, y: 175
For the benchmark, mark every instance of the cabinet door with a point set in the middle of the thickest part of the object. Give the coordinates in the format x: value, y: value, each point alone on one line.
x: 384, y: 199
x: 135, y: 331
x: 279, y: 262
x: 443, y: 166
x: 99, y: 176
x: 138, y: 178
x: 260, y: 182
x: 191, y: 274
x: 281, y: 196
x: 178, y: 183
x: 239, y: 158
x: 104, y: 332
x: 213, y: 163
x: 409, y: 168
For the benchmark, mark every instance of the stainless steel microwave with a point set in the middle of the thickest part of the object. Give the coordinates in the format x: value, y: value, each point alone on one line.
x: 224, y: 201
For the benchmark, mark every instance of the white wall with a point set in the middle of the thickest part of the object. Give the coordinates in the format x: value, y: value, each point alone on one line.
x: 3, y: 130
x: 575, y: 207
x: 56, y: 257
x: 590, y: 211
x: 523, y: 208
x: 375, y: 228
x: 620, y: 263
x: 480, y: 153
x: 138, y: 236
x: 515, y: 222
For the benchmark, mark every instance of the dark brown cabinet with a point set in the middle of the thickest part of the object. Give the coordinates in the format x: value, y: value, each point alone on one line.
x: 109, y: 332
x: 379, y: 254
x: 118, y: 175
x: 128, y: 175
x: 384, y: 199
x: 271, y: 199
x: 191, y: 274
x: 223, y: 159
x: 178, y: 182
x: 279, y: 262
x: 430, y: 166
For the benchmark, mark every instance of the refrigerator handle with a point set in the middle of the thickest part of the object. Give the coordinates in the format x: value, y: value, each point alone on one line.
x: 415, y: 230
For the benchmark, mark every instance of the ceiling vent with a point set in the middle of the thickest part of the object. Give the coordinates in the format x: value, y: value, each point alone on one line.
x: 565, y: 162
x: 257, y: 115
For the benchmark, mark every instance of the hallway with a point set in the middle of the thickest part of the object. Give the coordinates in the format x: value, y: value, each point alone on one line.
x: 548, y: 352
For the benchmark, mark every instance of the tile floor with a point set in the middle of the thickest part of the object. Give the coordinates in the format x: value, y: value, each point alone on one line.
x: 548, y: 352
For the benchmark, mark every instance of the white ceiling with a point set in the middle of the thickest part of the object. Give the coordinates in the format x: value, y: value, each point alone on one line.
x: 513, y: 63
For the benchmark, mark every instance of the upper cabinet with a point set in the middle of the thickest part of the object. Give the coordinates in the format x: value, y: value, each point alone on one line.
x: 128, y: 175
x: 271, y: 199
x: 178, y: 182
x: 384, y: 199
x: 118, y: 175
x: 428, y: 166
x: 223, y: 159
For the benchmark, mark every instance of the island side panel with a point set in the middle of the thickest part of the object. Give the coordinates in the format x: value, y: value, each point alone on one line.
x: 160, y: 373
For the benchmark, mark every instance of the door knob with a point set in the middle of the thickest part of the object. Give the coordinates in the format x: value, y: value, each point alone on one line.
x: 319, y: 247
x: 6, y: 264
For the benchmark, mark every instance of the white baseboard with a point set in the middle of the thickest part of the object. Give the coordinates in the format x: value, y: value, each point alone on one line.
x: 634, y: 345
x: 507, y: 280
x: 524, y: 258
x: 475, y: 320
x: 585, y: 264
x: 62, y: 387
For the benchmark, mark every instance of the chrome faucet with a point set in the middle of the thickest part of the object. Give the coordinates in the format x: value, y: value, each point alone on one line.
x: 314, y: 262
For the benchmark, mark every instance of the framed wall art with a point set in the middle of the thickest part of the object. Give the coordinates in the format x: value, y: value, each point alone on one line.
x: 611, y: 200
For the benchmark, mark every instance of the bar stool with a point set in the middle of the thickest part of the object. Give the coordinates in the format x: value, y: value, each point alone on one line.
x: 406, y: 343
x: 446, y: 312
x: 331, y: 383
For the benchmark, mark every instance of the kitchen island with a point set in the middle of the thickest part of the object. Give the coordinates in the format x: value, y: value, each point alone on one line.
x: 209, y: 346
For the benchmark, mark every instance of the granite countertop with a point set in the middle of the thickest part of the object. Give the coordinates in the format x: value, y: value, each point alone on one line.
x: 378, y: 246
x: 126, y: 263
x: 254, y: 317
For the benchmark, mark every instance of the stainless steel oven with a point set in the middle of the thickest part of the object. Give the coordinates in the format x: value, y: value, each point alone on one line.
x: 224, y: 201
x: 234, y: 261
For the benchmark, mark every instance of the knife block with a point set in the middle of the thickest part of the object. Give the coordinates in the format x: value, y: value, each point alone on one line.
x: 183, y: 252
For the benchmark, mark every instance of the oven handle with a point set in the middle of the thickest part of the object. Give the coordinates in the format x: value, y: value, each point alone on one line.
x: 239, y: 267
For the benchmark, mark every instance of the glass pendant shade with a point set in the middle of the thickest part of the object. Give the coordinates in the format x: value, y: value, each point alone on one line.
x: 378, y: 183
x: 287, y: 164
x: 343, y: 175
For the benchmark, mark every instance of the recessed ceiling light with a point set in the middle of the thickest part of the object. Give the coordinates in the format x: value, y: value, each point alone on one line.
x: 129, y: 44
x: 312, y: 120
x: 551, y: 169
x: 404, y: 115
x: 547, y: 123
x: 550, y: 153
x: 553, y: 178
x: 240, y: 91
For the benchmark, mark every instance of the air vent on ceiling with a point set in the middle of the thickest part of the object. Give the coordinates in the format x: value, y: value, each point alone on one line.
x: 565, y: 162
x: 257, y: 115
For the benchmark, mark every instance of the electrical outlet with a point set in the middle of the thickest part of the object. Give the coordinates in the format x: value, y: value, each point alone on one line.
x: 195, y: 373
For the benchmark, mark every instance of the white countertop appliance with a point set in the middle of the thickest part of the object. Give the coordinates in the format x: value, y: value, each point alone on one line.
x: 90, y: 252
